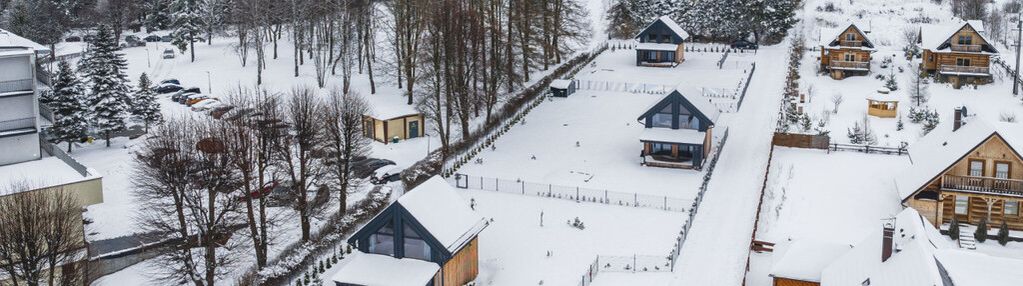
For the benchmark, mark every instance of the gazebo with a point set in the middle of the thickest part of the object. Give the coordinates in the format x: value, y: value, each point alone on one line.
x: 882, y: 106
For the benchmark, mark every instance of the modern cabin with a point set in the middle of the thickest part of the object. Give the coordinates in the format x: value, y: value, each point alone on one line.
x: 971, y: 172
x: 392, y: 124
x: 678, y: 131
x: 562, y: 87
x: 661, y: 44
x: 429, y: 236
x: 845, y: 52
x: 960, y: 54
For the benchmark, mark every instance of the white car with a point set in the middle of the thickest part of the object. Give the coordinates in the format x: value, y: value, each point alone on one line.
x: 389, y: 173
x: 206, y: 104
x: 168, y: 54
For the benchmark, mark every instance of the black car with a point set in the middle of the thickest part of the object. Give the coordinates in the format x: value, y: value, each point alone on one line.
x: 167, y: 38
x: 73, y: 39
x: 170, y: 80
x: 167, y: 88
x: 133, y: 41
x: 177, y: 97
x: 744, y: 44
x: 364, y: 168
x: 152, y: 38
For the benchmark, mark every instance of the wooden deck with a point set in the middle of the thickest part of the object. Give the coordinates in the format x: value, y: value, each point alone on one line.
x: 983, y: 185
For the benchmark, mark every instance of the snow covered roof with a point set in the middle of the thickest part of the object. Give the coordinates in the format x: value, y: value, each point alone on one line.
x: 912, y: 261
x: 932, y: 155
x: 561, y: 83
x: 973, y: 268
x: 668, y: 135
x: 392, y: 111
x: 933, y: 37
x: 805, y: 259
x: 42, y: 173
x: 382, y: 270
x: 829, y: 37
x: 443, y: 213
x: 656, y: 47
x: 672, y: 25
x: 10, y: 40
x: 702, y: 103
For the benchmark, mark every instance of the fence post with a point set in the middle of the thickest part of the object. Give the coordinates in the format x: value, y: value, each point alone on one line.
x: 549, y: 190
x: 606, y: 199
x: 635, y: 199
x: 481, y: 183
x: 577, y: 194
x: 665, y: 202
x: 497, y: 185
x: 523, y: 187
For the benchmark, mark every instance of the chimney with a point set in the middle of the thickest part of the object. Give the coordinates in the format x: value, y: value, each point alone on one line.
x: 886, y: 242
x: 958, y: 121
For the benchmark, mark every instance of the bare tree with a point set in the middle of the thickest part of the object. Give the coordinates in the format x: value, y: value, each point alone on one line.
x: 346, y: 140
x: 300, y: 150
x: 837, y: 100
x: 41, y: 231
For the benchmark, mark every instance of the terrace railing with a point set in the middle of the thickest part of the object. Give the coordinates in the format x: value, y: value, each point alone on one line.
x: 854, y: 44
x: 966, y: 48
x: 965, y: 69
x: 15, y: 124
x: 16, y: 85
x: 850, y: 65
x: 987, y: 185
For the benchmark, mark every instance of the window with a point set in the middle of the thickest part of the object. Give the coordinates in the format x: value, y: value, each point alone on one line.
x: 850, y: 37
x: 962, y: 205
x: 415, y: 246
x: 965, y: 40
x: 652, y: 37
x: 660, y: 149
x: 651, y: 56
x: 976, y: 168
x: 1011, y: 208
x: 666, y: 38
x: 669, y: 56
x: 686, y: 151
x: 850, y: 57
x: 663, y: 118
x: 1002, y: 170
x: 382, y: 242
x: 963, y: 62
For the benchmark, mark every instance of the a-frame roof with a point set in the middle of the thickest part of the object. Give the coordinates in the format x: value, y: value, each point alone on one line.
x: 692, y: 100
x: 832, y: 37
x: 940, y: 38
x: 940, y: 150
x: 672, y: 25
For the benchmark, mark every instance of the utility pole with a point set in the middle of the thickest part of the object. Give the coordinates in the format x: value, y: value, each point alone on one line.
x: 1019, y: 35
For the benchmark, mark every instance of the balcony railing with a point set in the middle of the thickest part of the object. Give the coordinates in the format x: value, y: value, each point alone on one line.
x: 850, y: 65
x: 15, y: 124
x: 854, y: 44
x: 965, y: 69
x: 16, y: 85
x: 987, y: 185
x: 966, y: 48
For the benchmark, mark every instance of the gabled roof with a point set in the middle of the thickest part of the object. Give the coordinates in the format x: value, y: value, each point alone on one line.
x: 831, y: 37
x: 912, y: 262
x: 974, y: 268
x: 702, y: 107
x: 937, y: 152
x: 805, y: 259
x: 443, y: 213
x: 672, y: 25
x: 938, y: 38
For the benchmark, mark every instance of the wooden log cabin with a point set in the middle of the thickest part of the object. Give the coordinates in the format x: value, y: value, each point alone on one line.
x: 429, y: 236
x: 845, y: 52
x: 678, y: 131
x: 661, y: 44
x: 972, y: 172
x: 959, y: 54
x: 802, y: 262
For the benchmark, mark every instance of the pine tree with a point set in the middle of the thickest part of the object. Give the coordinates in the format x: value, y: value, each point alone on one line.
x: 110, y: 90
x: 188, y: 25
x: 953, y: 228
x: 622, y: 21
x: 144, y: 105
x: 1003, y: 233
x: 981, y: 233
x: 67, y: 101
x: 158, y: 15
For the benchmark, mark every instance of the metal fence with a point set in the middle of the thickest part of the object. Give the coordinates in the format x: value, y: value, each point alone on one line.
x: 573, y: 193
x: 634, y: 263
x: 618, y: 86
x: 63, y: 156
x: 16, y: 85
x: 591, y: 273
x: 696, y: 203
x: 749, y: 78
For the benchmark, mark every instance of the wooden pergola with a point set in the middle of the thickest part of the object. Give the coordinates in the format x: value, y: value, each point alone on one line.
x: 882, y: 107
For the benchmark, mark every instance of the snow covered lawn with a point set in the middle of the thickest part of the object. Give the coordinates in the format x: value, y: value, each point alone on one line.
x: 513, y: 249
x: 815, y: 196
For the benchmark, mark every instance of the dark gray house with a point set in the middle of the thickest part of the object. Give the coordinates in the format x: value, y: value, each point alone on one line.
x: 562, y: 87
x: 427, y: 237
x: 678, y: 130
x: 661, y: 44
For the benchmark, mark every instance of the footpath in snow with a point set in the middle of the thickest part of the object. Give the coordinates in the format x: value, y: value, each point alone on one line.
x: 716, y: 249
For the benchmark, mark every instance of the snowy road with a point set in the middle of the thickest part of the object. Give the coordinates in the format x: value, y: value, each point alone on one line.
x: 716, y: 249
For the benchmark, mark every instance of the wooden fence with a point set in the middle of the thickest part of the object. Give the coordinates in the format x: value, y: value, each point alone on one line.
x: 801, y: 140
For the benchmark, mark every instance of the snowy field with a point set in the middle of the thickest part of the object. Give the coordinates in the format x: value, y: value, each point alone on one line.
x: 886, y: 21
x: 513, y: 249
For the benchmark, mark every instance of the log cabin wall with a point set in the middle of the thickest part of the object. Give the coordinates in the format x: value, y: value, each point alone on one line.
x: 792, y: 282
x: 462, y: 268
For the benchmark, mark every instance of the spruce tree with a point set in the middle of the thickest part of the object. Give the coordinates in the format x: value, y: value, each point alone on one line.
x: 622, y: 20
x: 188, y: 25
x: 67, y: 101
x: 953, y: 228
x: 110, y: 90
x: 144, y: 105
x: 981, y: 233
x: 158, y: 15
x: 1003, y: 233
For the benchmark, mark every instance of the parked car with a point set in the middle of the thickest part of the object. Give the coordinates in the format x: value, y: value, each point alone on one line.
x: 183, y: 98
x: 166, y: 88
x: 166, y: 39
x: 207, y: 104
x: 267, y: 189
x: 73, y: 39
x: 133, y: 41
x: 386, y: 174
x: 170, y: 80
x: 168, y: 54
x: 152, y: 38
x: 176, y: 97
x: 364, y: 168
x: 196, y: 98
x: 744, y: 44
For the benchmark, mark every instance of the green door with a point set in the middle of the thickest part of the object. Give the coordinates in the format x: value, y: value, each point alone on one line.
x: 413, y: 129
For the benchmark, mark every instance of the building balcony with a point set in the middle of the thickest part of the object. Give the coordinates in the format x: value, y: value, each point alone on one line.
x: 16, y: 86
x: 849, y: 65
x: 966, y: 48
x: 982, y: 185
x: 965, y: 70
x: 17, y: 124
x: 851, y: 44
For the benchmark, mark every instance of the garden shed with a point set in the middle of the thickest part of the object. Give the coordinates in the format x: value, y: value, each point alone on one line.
x: 562, y: 87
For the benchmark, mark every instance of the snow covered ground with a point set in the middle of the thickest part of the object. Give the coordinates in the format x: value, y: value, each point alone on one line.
x: 513, y: 249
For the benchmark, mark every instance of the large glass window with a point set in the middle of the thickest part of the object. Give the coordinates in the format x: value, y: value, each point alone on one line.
x: 1011, y: 208
x: 666, y: 38
x: 651, y: 56
x: 660, y: 149
x: 382, y: 242
x: 976, y: 168
x: 1002, y: 170
x: 663, y: 117
x: 415, y: 246
x: 962, y: 205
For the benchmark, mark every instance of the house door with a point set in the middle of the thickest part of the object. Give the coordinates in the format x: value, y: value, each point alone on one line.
x: 413, y: 129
